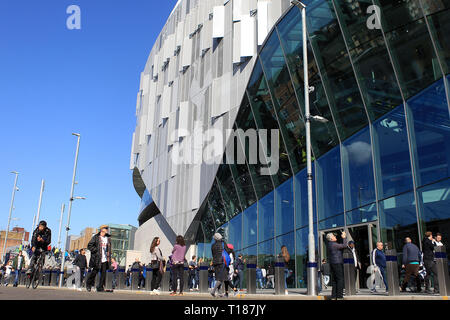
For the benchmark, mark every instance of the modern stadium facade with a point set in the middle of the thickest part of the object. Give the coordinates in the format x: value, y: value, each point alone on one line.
x: 381, y: 150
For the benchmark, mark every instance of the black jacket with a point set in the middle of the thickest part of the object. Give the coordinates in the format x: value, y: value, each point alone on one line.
x: 216, y: 250
x: 411, y: 253
x: 335, y: 251
x: 428, y: 249
x: 80, y: 261
x: 94, y: 247
x: 45, y: 234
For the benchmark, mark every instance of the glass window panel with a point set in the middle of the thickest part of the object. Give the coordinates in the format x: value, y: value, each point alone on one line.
x: 337, y: 73
x: 266, y: 254
x: 245, y: 121
x: 323, y: 135
x: 392, y: 157
x: 288, y: 241
x: 226, y: 184
x: 285, y: 102
x: 358, y: 170
x: 434, y: 203
x: 266, y: 217
x: 301, y: 255
x: 301, y: 198
x: 263, y: 111
x: 398, y: 220
x: 244, y: 186
x: 284, y: 211
x: 431, y: 127
x: 235, y: 232
x: 208, y: 225
x: 332, y: 222
x: 363, y: 214
x: 250, y: 231
x: 216, y: 205
x: 440, y: 32
x: 329, y: 184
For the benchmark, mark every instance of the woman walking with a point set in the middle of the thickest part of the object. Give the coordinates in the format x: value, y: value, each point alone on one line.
x: 229, y: 282
x: 178, y: 253
x: 157, y: 265
x: 286, y: 258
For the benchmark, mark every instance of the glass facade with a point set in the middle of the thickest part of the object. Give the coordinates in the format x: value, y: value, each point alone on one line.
x: 381, y: 157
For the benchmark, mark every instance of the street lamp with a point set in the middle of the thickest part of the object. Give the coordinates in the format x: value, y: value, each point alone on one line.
x: 312, y: 264
x: 70, y: 207
x: 10, y: 211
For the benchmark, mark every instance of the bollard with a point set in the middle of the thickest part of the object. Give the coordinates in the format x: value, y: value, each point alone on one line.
x: 279, y: 276
x: 109, y: 278
x: 165, y: 280
x: 442, y: 270
x: 134, y: 279
x: 148, y: 278
x: 22, y: 278
x: 54, y: 278
x: 185, y: 278
x: 251, y: 276
x: 392, y: 273
x: 46, y: 277
x: 203, y: 278
x: 349, y: 274
x: 121, y: 277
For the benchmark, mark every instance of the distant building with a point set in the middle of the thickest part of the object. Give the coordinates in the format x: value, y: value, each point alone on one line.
x: 122, y: 239
x: 15, y: 237
x: 83, y: 239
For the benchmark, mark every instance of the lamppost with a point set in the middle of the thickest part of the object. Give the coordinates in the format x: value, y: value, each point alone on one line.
x: 311, y: 264
x: 10, y: 212
x: 70, y: 207
x: 60, y: 225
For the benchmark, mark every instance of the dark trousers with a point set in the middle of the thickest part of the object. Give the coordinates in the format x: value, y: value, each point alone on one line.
x: 383, y: 274
x: 178, y: 273
x: 156, y: 279
x: 90, y: 282
x: 411, y: 269
x: 337, y: 280
x: 430, y: 267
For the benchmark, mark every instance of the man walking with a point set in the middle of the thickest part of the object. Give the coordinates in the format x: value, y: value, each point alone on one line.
x: 336, y: 264
x: 379, y: 262
x: 239, y: 272
x: 428, y: 245
x: 411, y: 262
x: 18, y: 265
x: 351, y: 249
x: 100, y: 247
x: 80, y: 264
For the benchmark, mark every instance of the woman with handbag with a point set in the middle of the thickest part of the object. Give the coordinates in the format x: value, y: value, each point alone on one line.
x: 178, y: 253
x: 157, y: 261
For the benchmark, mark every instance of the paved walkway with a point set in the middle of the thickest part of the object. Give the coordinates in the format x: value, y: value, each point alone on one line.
x: 54, y: 293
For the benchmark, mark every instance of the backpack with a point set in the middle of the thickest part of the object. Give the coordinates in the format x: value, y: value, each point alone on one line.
x: 225, y: 256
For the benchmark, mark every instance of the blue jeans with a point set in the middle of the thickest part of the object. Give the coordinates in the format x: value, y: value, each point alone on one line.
x: 286, y: 274
x: 16, y: 279
x: 260, y: 281
x: 383, y: 273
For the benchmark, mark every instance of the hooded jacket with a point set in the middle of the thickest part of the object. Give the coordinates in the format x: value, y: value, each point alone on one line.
x: 94, y: 247
x: 45, y: 234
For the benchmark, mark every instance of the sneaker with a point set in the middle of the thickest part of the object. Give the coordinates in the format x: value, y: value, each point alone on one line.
x: 100, y: 290
x: 181, y: 294
x: 286, y: 292
x: 213, y: 294
x: 191, y: 290
x: 226, y: 295
x: 173, y: 293
x: 373, y: 290
x: 157, y: 292
x: 88, y: 289
x: 79, y: 289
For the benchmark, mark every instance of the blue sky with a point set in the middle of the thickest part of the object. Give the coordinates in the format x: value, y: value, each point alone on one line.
x: 55, y: 81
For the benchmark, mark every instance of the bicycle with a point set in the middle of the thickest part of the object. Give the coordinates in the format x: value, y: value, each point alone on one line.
x: 34, y: 278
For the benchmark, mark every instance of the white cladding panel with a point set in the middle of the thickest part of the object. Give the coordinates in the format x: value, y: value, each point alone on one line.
x: 187, y: 52
x: 248, y: 47
x: 184, y: 119
x: 218, y: 22
x: 263, y: 16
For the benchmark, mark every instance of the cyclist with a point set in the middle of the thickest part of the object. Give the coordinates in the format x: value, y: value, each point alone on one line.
x: 42, y: 236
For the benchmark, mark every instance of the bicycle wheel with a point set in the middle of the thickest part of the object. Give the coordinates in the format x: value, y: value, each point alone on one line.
x: 37, y: 275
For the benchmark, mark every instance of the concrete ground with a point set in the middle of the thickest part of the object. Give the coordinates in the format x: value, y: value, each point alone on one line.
x: 53, y: 293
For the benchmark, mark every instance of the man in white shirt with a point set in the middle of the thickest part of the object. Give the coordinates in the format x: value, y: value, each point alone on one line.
x: 18, y: 265
x: 438, y: 240
x: 100, y: 248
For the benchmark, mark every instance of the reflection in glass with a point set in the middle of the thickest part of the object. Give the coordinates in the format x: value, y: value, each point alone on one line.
x: 266, y: 217
x: 301, y: 198
x: 250, y: 230
x: 361, y: 215
x: 288, y: 241
x: 284, y: 211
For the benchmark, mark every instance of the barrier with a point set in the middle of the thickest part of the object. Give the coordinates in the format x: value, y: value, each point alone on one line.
x: 185, y: 278
x: 440, y: 255
x: 46, y: 277
x: 251, y: 276
x: 109, y: 278
x: 203, y: 278
x: 134, y: 279
x: 54, y: 278
x: 349, y: 274
x: 148, y: 278
x: 121, y: 279
x: 279, y: 276
x: 392, y: 272
x: 165, y: 281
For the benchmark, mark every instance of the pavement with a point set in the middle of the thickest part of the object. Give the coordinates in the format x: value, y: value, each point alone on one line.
x: 54, y: 293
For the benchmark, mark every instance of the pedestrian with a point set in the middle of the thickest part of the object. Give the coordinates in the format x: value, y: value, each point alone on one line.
x: 270, y: 276
x: 230, y: 269
x: 80, y: 264
x: 351, y: 249
x: 218, y: 255
x: 259, y: 277
x: 137, y: 271
x: 193, y: 267
x: 379, y: 263
x: 286, y: 258
x: 325, y: 273
x: 18, y: 264
x: 42, y: 237
x: 264, y: 275
x: 411, y: 262
x: 8, y: 270
x: 429, y: 262
x: 115, y: 270
x: 336, y: 264
x: 178, y: 258
x: 157, y: 261
x: 211, y: 280
x: 438, y: 240
x: 239, y: 272
x: 100, y: 248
